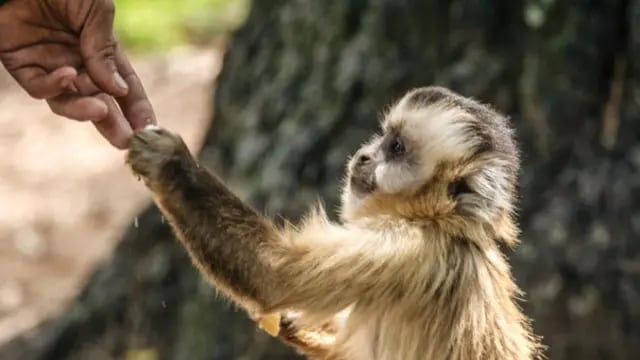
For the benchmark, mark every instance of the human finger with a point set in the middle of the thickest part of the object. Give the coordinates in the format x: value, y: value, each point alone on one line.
x: 114, y: 127
x: 135, y: 105
x: 43, y: 54
x: 98, y: 48
x: 77, y: 107
x: 85, y: 85
x: 40, y: 84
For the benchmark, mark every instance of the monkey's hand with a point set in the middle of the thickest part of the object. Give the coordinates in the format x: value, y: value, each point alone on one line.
x: 314, y: 343
x: 156, y: 153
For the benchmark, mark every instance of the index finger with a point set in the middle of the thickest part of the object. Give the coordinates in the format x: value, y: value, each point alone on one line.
x: 42, y: 85
x: 135, y: 105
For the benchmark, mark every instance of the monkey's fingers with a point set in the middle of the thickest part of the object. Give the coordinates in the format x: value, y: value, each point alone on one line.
x: 154, y: 149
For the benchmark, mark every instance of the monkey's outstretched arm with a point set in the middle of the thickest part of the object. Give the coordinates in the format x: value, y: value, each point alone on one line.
x: 320, y: 268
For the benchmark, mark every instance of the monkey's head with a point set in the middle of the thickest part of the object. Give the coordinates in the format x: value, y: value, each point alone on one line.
x: 440, y: 157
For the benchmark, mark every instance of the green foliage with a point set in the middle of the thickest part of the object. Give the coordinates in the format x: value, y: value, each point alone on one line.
x: 160, y: 24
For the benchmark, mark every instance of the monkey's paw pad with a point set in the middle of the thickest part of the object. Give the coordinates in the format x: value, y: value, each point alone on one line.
x: 152, y: 148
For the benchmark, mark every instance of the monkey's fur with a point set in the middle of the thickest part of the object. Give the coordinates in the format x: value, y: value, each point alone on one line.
x: 415, y: 267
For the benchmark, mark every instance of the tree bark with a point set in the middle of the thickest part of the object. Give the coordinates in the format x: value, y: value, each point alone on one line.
x: 303, y: 84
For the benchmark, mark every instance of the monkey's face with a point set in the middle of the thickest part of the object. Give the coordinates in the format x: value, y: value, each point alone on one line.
x: 439, y: 154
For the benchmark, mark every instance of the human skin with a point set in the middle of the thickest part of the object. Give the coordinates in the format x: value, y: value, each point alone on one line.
x: 65, y: 52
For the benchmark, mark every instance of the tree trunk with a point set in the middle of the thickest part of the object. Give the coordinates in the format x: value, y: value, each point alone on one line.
x: 302, y: 86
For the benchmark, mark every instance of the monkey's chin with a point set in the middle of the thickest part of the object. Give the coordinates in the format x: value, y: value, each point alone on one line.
x: 353, y: 197
x: 362, y: 187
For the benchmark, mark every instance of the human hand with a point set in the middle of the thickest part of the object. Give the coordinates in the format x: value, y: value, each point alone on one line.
x: 64, y: 51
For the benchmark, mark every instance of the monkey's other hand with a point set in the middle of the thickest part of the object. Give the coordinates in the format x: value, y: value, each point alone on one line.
x: 157, y: 154
x: 312, y: 342
x: 288, y: 330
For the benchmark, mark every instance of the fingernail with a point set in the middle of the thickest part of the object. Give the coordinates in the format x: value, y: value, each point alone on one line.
x: 120, y: 81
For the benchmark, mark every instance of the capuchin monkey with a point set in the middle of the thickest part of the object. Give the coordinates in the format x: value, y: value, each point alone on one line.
x: 412, y: 271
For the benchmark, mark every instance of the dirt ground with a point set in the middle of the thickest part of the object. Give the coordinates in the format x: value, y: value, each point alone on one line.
x: 66, y: 195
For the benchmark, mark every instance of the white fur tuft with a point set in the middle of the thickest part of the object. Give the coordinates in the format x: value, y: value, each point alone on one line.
x: 439, y: 131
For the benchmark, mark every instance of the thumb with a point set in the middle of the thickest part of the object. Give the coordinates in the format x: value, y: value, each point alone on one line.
x: 99, y: 46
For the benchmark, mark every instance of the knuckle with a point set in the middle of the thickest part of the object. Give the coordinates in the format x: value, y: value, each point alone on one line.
x: 10, y: 61
x: 34, y: 92
x: 58, y: 109
x: 101, y: 52
x: 108, y: 7
x: 106, y: 51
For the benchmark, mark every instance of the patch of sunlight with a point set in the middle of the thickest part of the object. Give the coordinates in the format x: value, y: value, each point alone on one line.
x: 151, y: 25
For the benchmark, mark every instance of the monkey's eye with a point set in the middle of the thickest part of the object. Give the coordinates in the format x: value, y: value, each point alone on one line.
x: 458, y: 188
x: 396, y: 147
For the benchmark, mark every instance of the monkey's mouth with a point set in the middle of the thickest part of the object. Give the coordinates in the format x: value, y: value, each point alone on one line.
x: 363, y: 184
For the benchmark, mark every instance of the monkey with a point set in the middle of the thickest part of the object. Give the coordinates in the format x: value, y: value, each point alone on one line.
x: 413, y: 268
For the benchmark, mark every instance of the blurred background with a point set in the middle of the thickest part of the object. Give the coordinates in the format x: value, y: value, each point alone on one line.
x: 89, y: 269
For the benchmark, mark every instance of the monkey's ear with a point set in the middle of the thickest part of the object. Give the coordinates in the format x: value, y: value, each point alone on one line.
x: 491, y: 187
